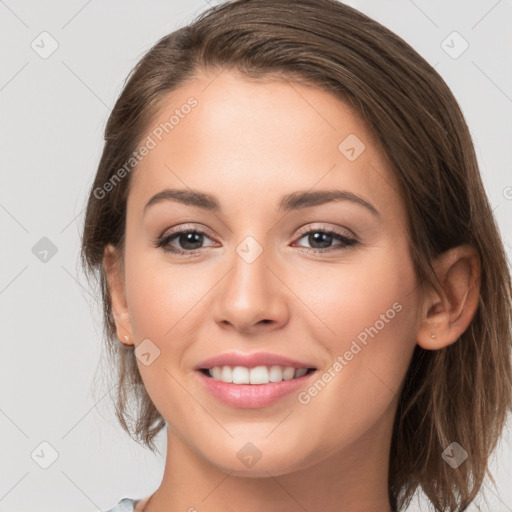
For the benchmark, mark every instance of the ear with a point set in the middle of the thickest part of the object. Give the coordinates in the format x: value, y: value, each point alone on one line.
x: 113, y: 269
x: 449, y: 306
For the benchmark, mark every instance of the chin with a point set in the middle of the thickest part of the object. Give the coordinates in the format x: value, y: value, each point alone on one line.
x: 248, y: 461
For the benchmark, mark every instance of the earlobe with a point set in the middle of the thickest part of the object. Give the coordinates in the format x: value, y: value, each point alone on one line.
x: 450, y: 305
x: 113, y: 272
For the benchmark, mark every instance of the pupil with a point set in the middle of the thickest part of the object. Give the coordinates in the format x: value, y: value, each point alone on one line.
x: 322, y: 238
x: 191, y: 238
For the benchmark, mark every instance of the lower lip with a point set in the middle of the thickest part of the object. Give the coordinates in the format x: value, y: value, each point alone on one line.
x: 252, y: 396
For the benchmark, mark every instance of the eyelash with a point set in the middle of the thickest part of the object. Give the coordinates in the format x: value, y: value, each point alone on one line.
x: 163, y: 242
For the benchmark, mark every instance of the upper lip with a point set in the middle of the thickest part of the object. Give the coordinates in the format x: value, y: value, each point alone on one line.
x: 251, y: 360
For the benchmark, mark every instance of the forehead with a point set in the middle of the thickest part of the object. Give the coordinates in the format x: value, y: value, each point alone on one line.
x: 259, y: 137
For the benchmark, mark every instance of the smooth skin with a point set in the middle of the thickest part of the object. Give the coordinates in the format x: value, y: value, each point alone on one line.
x: 248, y: 143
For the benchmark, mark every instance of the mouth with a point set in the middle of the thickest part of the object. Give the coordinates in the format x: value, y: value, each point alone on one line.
x: 258, y: 375
x: 253, y: 388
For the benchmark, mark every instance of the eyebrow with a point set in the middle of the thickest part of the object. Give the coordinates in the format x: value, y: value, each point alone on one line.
x: 294, y: 201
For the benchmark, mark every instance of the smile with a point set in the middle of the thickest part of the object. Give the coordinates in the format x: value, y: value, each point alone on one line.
x: 256, y: 375
x: 252, y: 388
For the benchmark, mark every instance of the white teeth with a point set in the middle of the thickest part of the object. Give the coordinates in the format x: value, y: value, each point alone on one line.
x: 256, y: 375
x: 288, y: 373
x: 276, y: 374
x: 216, y: 372
x: 226, y: 375
x: 240, y: 375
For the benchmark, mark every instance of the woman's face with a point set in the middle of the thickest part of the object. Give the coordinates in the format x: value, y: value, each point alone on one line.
x: 257, y: 275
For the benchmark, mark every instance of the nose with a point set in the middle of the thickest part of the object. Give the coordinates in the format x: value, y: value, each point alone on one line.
x: 252, y: 297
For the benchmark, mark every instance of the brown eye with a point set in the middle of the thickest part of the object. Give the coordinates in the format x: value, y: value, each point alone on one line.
x: 189, y: 241
x: 321, y: 240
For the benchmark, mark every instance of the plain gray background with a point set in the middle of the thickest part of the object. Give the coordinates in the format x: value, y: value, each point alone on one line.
x: 53, y: 112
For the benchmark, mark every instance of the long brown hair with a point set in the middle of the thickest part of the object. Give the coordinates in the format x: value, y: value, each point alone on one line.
x: 459, y: 393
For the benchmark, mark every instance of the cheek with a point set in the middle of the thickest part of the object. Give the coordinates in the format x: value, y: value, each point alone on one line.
x: 351, y: 296
x: 164, y: 302
x: 161, y: 297
x: 370, y: 312
x: 368, y: 317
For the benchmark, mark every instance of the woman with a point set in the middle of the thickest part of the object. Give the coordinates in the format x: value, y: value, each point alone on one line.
x: 301, y: 273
